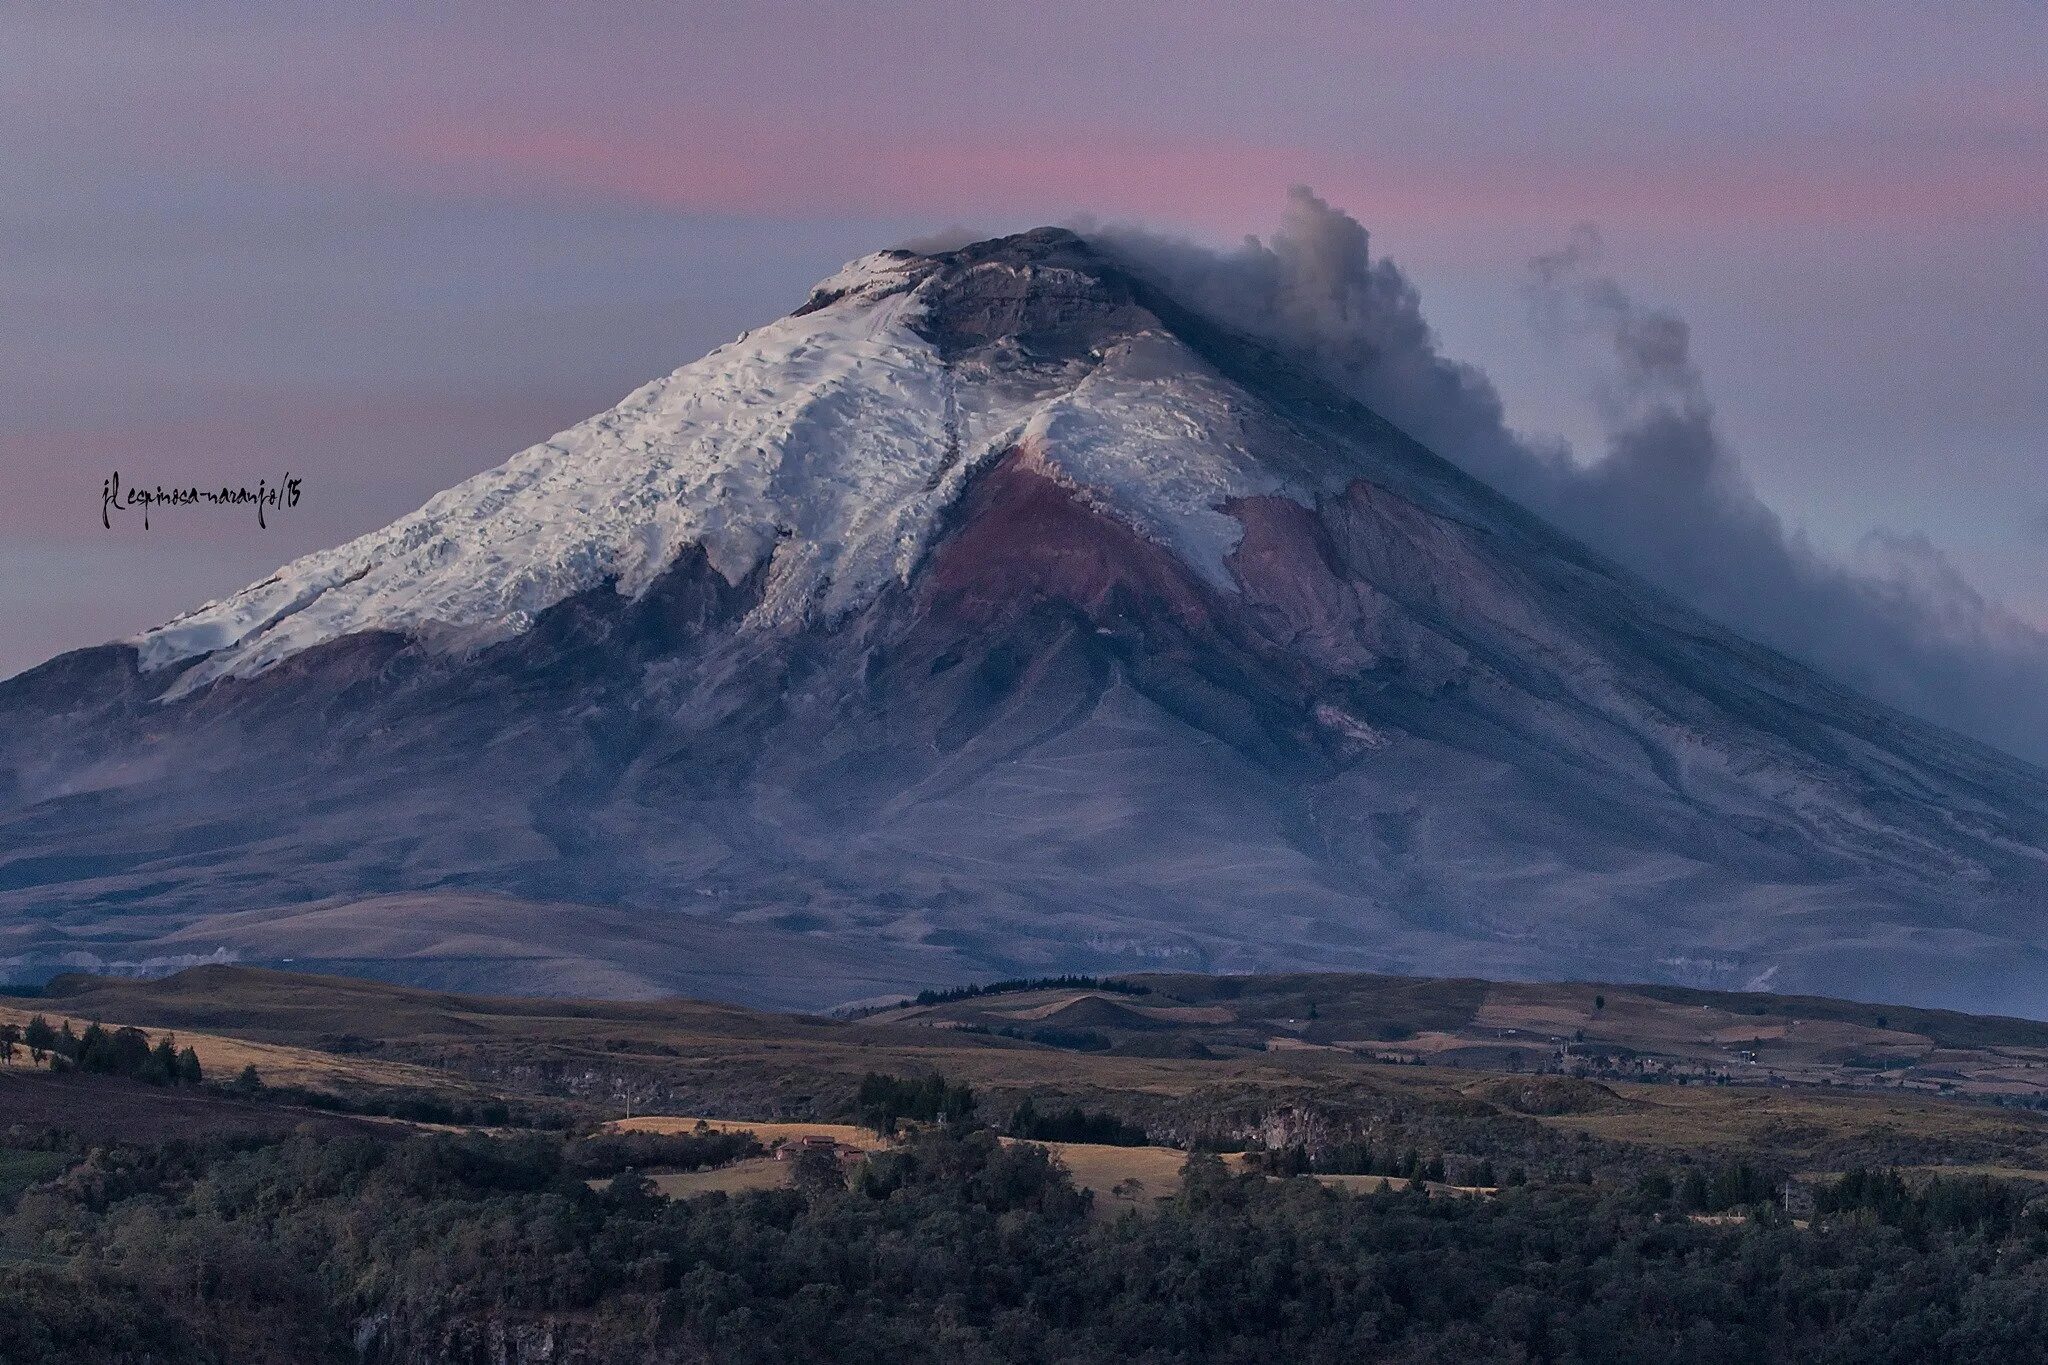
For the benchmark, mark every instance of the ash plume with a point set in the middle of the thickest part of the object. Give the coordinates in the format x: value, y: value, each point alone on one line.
x: 1666, y: 497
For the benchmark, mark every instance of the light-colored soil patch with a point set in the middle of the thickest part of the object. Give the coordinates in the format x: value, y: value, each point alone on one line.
x: 845, y: 1134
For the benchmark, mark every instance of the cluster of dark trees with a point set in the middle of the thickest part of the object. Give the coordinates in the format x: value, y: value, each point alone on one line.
x: 102, y: 1051
x: 1713, y: 1190
x: 885, y: 1102
x: 1073, y: 1124
x: 1040, y: 983
x: 1363, y: 1158
x: 610, y: 1153
x: 1942, y: 1207
x: 955, y: 1247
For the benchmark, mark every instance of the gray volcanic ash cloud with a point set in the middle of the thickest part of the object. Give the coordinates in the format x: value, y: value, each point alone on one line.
x: 1666, y: 497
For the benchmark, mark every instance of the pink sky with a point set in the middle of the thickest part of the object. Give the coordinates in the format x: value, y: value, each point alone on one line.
x: 391, y: 248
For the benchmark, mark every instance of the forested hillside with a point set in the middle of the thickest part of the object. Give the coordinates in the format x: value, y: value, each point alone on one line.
x: 957, y: 1247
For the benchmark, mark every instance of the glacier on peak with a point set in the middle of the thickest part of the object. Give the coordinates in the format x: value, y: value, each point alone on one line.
x: 827, y: 443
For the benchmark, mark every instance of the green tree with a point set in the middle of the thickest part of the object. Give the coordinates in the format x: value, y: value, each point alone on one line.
x: 1204, y: 1180
x: 816, y: 1172
x: 114, y: 1052
x: 40, y: 1037
x: 162, y: 1067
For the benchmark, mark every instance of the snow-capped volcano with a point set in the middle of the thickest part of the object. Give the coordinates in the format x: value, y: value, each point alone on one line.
x: 993, y: 613
x: 825, y: 446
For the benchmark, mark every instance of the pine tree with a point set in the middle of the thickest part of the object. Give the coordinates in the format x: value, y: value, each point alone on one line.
x: 1024, y: 1123
x: 41, y: 1038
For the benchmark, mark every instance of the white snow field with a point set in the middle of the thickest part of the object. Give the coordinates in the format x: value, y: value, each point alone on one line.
x: 830, y: 440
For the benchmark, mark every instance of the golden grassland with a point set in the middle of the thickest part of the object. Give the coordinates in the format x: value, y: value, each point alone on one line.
x: 769, y: 1133
x: 741, y: 1177
x: 222, y: 1057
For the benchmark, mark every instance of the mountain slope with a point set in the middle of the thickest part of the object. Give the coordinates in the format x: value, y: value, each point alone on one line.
x: 994, y: 613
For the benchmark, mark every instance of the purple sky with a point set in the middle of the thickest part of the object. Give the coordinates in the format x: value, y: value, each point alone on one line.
x: 385, y: 252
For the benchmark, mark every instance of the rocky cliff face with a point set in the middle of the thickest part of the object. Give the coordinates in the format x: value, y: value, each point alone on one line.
x: 994, y: 614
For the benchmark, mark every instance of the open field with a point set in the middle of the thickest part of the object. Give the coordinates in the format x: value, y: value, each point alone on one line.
x: 754, y: 1173
x: 1125, y: 1177
x: 223, y: 1058
x: 1122, y: 1176
x: 1498, y: 1071
x: 770, y: 1133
